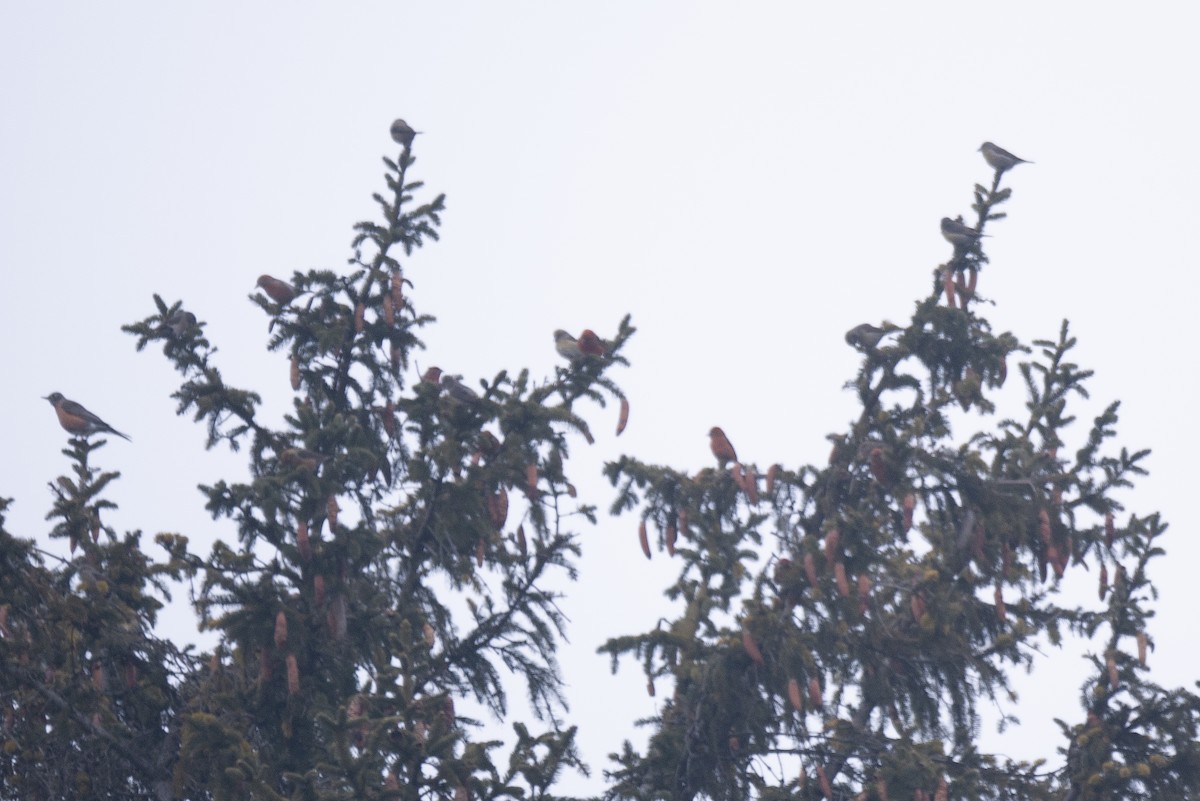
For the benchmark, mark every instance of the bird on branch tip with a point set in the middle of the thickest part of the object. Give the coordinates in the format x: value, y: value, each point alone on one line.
x: 77, y: 420
x: 865, y: 337
x: 567, y: 346
x: 180, y: 322
x: 999, y: 158
x: 721, y: 447
x: 958, y: 234
x: 280, y: 291
x: 403, y: 134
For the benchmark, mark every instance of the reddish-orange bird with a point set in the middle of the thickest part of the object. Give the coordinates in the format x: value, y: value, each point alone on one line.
x: 721, y: 447
x: 590, y: 344
x: 280, y: 291
x: 77, y: 420
x: 432, y: 376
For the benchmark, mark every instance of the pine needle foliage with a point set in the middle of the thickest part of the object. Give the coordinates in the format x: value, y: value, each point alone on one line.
x: 395, y: 544
x: 901, y: 583
x: 839, y: 625
x: 87, y: 691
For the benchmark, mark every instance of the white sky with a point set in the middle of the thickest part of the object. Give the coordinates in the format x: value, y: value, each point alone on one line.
x: 749, y: 180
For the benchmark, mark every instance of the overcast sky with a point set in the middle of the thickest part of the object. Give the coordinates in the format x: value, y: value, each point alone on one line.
x: 749, y: 180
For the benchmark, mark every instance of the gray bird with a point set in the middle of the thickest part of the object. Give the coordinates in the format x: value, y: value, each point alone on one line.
x: 866, y: 337
x: 181, y: 322
x: 458, y: 391
x: 568, y: 347
x: 999, y: 158
x: 959, y: 235
x: 403, y: 134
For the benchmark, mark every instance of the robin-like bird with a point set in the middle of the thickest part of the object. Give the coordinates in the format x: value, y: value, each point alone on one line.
x: 960, y: 235
x: 78, y: 420
x: 866, y: 337
x: 590, y: 344
x: 403, y: 134
x: 280, y: 291
x: 999, y: 158
x: 432, y: 376
x: 721, y: 447
x: 567, y: 346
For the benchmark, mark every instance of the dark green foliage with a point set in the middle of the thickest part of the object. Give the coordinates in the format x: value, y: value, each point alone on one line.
x: 88, y: 693
x: 394, y: 542
x: 853, y: 662
x: 379, y: 576
x: 839, y: 624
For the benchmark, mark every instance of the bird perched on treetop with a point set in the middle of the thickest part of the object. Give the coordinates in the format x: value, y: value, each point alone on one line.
x: 567, y: 346
x: 432, y: 376
x: 590, y: 344
x: 999, y: 158
x: 403, y: 134
x: 866, y: 336
x: 721, y: 447
x: 180, y: 322
x: 280, y: 291
x: 960, y: 235
x: 78, y: 420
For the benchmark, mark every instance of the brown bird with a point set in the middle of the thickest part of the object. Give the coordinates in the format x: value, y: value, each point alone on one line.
x: 432, y: 376
x: 280, y: 291
x: 721, y: 447
x: 301, y: 458
x: 78, y: 420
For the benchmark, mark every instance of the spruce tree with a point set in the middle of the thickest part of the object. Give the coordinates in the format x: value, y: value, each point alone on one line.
x: 398, y: 536
x: 396, y: 545
x: 395, y: 541
x: 88, y: 693
x: 839, y: 624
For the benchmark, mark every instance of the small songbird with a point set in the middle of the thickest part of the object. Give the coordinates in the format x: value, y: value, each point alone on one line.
x: 567, y: 346
x: 301, y: 458
x: 78, y: 420
x: 866, y: 337
x: 458, y: 391
x: 180, y: 322
x: 590, y: 344
x: 280, y: 291
x: 432, y: 376
x: 999, y: 158
x: 403, y: 134
x: 721, y: 447
x: 960, y: 235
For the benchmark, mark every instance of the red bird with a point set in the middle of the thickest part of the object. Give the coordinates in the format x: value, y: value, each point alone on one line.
x: 280, y: 291
x: 721, y: 447
x: 590, y: 344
